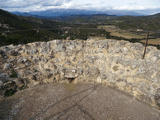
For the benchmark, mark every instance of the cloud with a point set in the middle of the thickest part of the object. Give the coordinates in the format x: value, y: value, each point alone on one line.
x: 38, y: 5
x: 30, y: 5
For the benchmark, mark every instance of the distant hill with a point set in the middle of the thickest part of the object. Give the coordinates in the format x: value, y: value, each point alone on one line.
x: 155, y: 15
x: 120, y: 18
x: 148, y: 23
x: 14, y: 21
x: 52, y: 13
x: 20, y: 30
x: 85, y: 19
x: 25, y: 22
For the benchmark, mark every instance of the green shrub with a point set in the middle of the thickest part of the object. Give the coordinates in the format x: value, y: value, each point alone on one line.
x: 10, y: 92
x: 13, y: 74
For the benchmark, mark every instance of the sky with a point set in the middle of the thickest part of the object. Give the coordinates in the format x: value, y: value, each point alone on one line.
x: 101, y: 5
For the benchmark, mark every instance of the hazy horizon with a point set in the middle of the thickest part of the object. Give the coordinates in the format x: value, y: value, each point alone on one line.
x: 144, y: 6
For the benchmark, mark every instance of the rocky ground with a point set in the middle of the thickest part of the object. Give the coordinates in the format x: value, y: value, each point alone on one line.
x: 113, y: 63
x: 74, y: 102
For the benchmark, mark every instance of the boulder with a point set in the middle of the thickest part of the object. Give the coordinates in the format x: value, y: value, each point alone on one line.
x: 70, y: 73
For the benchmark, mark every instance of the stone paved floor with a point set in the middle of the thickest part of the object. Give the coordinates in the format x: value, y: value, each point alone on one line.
x: 74, y: 102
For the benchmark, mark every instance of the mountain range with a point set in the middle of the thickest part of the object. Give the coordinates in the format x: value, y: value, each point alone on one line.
x: 51, y: 13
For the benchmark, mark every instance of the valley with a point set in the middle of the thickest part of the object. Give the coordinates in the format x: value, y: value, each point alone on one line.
x: 22, y: 29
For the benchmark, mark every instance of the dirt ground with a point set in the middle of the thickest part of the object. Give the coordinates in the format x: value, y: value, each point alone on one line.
x: 152, y: 41
x: 121, y: 33
x: 74, y: 102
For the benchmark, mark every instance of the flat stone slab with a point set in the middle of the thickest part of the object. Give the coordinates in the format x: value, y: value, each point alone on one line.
x: 74, y: 102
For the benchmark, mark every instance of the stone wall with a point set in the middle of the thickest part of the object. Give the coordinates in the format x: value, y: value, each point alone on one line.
x: 118, y: 64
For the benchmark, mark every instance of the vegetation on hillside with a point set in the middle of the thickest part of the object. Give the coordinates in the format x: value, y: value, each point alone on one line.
x: 147, y: 23
x: 21, y: 30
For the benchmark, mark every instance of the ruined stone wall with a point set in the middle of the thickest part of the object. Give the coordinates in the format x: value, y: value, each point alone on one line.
x: 115, y: 63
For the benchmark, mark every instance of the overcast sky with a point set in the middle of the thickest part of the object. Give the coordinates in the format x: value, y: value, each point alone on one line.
x: 39, y: 5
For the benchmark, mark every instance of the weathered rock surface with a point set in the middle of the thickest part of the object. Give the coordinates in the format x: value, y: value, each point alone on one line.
x: 115, y: 63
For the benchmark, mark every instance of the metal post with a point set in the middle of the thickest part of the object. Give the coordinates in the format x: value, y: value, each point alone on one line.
x: 146, y: 44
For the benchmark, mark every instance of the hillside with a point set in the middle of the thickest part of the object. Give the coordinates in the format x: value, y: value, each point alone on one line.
x: 151, y: 23
x: 86, y: 19
x: 13, y: 21
x: 21, y: 29
x: 26, y: 29
x: 21, y: 22
x: 130, y: 28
